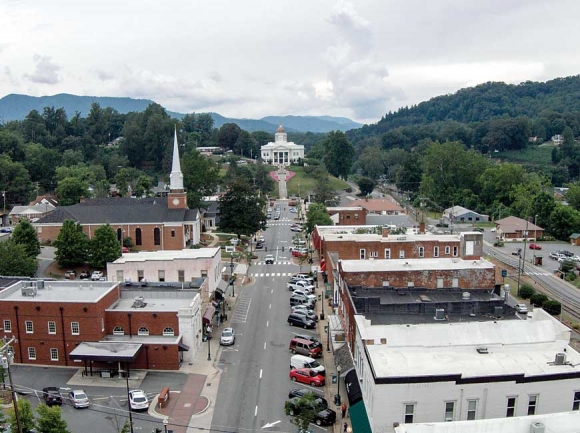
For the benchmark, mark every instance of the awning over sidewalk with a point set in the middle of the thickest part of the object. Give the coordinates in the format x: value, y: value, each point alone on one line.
x: 357, y: 410
x: 208, y: 315
x: 182, y: 347
x: 110, y: 351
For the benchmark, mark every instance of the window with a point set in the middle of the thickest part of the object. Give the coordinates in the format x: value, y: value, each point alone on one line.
x: 172, y: 233
x: 387, y: 253
x: 143, y: 331
x: 455, y: 283
x: 532, y: 404
x: 52, y: 327
x: 439, y: 283
x: 421, y: 252
x: 455, y: 249
x: 168, y: 332
x: 53, y: 354
x: 156, y: 236
x: 181, y: 276
x: 373, y: 254
x: 203, y: 273
x: 471, y: 409
x: 409, y: 413
x: 32, y: 353
x: 120, y: 275
x: 386, y: 283
x: 118, y: 331
x: 449, y: 409
x: 140, y: 274
x: 435, y: 251
x: 7, y: 326
x: 75, y: 328
x: 576, y: 403
x: 120, y: 235
x: 161, y: 275
x: 511, y: 407
x: 410, y: 284
x: 29, y: 327
x: 402, y: 254
x: 362, y: 254
x: 138, y: 238
x: 447, y: 250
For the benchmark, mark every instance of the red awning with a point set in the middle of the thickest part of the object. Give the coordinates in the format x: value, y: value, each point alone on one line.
x: 208, y: 315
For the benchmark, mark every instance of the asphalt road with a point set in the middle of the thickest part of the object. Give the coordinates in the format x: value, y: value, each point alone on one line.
x: 254, y: 384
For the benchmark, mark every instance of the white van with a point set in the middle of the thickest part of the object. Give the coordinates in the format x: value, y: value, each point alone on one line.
x: 301, y: 361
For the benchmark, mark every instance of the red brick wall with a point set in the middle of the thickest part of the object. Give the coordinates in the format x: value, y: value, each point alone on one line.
x: 154, y: 321
x: 351, y: 217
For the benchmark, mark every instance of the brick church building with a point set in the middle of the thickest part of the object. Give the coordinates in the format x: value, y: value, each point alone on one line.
x: 153, y: 223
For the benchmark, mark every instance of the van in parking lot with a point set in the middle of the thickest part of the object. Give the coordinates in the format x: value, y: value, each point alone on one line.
x: 305, y: 347
x: 301, y: 361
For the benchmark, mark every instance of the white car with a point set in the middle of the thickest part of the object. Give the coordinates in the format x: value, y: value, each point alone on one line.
x: 96, y: 275
x: 78, y: 398
x: 492, y: 230
x: 228, y: 337
x: 302, y: 277
x: 521, y: 308
x: 138, y: 400
x: 306, y: 293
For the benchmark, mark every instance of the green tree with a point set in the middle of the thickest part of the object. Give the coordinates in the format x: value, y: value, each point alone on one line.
x: 339, y: 154
x: 241, y: 209
x: 366, y: 185
x: 538, y: 299
x: 526, y: 291
x: 25, y: 414
x: 15, y: 180
x: 262, y: 177
x: 25, y: 235
x: 372, y: 160
x: 303, y: 410
x: 50, y: 420
x: 104, y: 247
x: 323, y: 192
x: 573, y: 195
x: 14, y: 260
x: 228, y: 135
x: 200, y: 177
x: 71, y: 245
x: 142, y: 186
x: 11, y: 145
x: 41, y: 163
x: 70, y: 191
x: 564, y: 221
x: 122, y: 181
x: 126, y: 427
x: 245, y: 145
x: 2, y: 422
x: 317, y: 215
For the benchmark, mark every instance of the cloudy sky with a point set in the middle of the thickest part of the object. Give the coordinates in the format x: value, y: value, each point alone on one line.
x: 253, y: 58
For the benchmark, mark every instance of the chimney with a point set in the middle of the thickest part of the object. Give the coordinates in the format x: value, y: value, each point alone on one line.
x: 422, y: 227
x: 385, y: 232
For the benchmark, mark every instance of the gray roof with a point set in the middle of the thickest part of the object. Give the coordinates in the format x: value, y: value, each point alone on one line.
x: 120, y: 210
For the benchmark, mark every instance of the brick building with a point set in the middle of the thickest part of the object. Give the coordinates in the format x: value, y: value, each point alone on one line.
x: 348, y: 215
x: 51, y: 319
x: 380, y: 206
x: 156, y: 223
x: 516, y: 229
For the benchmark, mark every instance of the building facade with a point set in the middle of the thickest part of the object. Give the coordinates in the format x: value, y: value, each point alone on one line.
x: 281, y: 151
x: 516, y: 229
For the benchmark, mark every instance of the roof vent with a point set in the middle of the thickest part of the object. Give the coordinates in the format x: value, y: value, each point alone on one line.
x: 29, y: 291
x: 560, y: 358
x: 40, y: 284
x: 466, y: 295
x: 139, y: 302
x: 482, y: 351
x: 537, y: 427
x: 439, y: 314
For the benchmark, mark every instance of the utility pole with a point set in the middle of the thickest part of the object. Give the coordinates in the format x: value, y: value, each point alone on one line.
x: 4, y: 196
x: 7, y: 358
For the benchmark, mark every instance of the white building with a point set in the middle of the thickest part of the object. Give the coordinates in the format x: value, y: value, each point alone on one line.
x: 281, y: 151
x: 458, y: 371
x: 180, y: 266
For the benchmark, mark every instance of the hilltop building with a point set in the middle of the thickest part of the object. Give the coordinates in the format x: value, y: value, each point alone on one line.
x: 282, y: 151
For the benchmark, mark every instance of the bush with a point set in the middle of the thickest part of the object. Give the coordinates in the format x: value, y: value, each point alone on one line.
x: 498, y: 244
x: 552, y: 307
x: 538, y: 299
x: 526, y: 291
x: 571, y: 276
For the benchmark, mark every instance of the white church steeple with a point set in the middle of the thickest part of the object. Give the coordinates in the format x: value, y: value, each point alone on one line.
x: 176, y: 176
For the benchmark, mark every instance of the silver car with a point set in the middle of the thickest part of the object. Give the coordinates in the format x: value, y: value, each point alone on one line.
x: 78, y: 398
x: 228, y: 337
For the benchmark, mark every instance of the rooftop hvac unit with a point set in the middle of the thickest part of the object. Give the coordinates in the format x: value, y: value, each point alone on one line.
x: 439, y: 314
x: 560, y: 358
x: 537, y: 427
x: 498, y: 311
x: 40, y: 284
x: 29, y: 291
x: 466, y: 295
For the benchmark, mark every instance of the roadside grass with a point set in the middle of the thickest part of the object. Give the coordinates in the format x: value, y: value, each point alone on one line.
x: 302, y: 182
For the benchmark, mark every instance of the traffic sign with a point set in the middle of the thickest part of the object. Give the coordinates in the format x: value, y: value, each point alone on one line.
x: 504, y: 273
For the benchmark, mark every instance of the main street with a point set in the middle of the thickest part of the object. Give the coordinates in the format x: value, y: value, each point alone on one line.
x: 254, y: 384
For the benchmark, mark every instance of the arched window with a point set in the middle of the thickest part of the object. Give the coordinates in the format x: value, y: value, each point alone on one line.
x: 143, y: 331
x: 168, y: 332
x: 118, y: 331
x: 120, y: 235
x: 138, y: 240
x: 156, y: 236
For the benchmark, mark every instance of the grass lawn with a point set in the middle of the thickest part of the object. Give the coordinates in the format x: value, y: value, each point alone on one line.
x: 302, y: 182
x: 536, y: 155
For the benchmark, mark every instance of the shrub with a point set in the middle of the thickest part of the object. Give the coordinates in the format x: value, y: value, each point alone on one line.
x: 552, y: 307
x: 538, y: 299
x: 571, y: 276
x: 526, y: 291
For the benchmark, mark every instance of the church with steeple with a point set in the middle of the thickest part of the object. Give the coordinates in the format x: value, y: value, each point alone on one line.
x: 152, y: 223
x: 281, y: 151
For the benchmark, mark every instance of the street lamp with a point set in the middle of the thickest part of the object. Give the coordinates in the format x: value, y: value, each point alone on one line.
x: 208, y: 346
x: 232, y: 275
x: 165, y: 422
x: 337, y: 399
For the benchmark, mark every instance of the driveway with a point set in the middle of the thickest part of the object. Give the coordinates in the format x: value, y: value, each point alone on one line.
x: 45, y: 258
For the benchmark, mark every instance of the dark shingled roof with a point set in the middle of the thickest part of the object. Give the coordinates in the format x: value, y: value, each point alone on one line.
x: 120, y: 210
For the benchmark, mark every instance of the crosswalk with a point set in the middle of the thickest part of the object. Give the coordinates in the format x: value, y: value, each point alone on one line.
x: 276, y: 263
x: 538, y: 273
x: 242, y: 309
x: 273, y: 274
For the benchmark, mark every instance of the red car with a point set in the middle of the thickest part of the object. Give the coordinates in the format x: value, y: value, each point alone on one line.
x: 297, y: 253
x: 535, y: 247
x: 307, y: 376
x: 125, y: 250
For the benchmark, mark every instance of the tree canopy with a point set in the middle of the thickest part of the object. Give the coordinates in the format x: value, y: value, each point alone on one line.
x: 71, y: 245
x: 242, y: 209
x: 25, y: 235
x: 15, y: 260
x: 104, y: 247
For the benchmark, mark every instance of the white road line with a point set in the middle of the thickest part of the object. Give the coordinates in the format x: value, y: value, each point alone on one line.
x: 260, y: 374
x: 264, y: 345
x: 256, y: 411
x: 267, y: 323
x: 270, y: 307
x: 272, y: 291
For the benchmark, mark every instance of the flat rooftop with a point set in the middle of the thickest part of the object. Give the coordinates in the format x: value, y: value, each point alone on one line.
x: 161, y: 300
x: 186, y: 254
x: 374, y: 237
x: 436, y: 264
x: 57, y: 291
x: 514, y: 347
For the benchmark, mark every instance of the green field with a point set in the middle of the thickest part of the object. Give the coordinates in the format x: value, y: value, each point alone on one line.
x: 536, y: 155
x: 301, y: 183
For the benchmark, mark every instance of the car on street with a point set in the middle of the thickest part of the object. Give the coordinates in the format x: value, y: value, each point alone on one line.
x: 493, y: 230
x: 300, y: 284
x: 78, y: 398
x: 259, y: 245
x: 302, y: 392
x: 70, y: 275
x: 307, y: 376
x: 535, y: 247
x: 299, y: 242
x: 51, y: 396
x: 96, y: 275
x: 6, y: 230
x: 84, y: 275
x: 296, y: 308
x: 295, y: 228
x: 269, y: 259
x: 298, y: 253
x: 517, y: 252
x: 301, y: 300
x: 521, y: 308
x: 295, y: 319
x: 323, y: 415
x: 138, y: 400
x: 228, y: 337
x: 277, y: 216
x: 306, y: 293
x: 478, y: 229
x: 300, y: 277
x: 309, y: 314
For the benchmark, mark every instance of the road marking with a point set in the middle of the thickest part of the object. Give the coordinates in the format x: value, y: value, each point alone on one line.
x: 270, y: 307
x: 272, y: 291
x: 260, y: 373
x: 271, y: 424
x: 256, y: 411
x: 267, y: 323
x: 264, y: 345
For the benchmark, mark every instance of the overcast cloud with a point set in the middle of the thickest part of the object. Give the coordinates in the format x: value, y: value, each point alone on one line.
x: 261, y: 57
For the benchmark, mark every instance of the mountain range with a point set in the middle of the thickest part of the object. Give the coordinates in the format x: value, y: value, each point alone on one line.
x: 17, y: 107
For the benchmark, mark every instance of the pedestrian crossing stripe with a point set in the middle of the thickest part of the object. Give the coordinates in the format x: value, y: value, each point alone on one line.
x: 538, y: 273
x: 273, y: 274
x: 276, y: 263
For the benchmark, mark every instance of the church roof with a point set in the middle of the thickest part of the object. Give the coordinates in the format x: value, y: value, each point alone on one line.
x: 280, y: 129
x: 120, y: 210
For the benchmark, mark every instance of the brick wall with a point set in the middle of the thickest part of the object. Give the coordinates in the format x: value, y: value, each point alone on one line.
x: 350, y: 217
x: 155, y: 322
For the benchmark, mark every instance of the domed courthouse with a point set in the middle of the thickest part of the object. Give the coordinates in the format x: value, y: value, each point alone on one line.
x: 281, y: 151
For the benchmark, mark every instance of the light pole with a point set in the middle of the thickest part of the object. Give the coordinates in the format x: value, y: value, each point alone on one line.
x: 128, y: 399
x: 232, y: 275
x: 208, y: 346
x: 165, y: 422
x: 338, y: 368
x: 7, y: 359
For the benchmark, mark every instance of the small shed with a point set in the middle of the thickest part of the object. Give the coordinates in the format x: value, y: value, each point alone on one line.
x: 575, y: 239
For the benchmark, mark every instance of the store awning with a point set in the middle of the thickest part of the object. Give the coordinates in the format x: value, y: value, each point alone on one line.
x: 208, y: 315
x: 359, y: 418
x: 111, y: 351
x: 182, y: 347
x: 352, y: 387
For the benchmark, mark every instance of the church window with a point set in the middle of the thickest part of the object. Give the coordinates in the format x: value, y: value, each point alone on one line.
x: 138, y: 239
x: 119, y: 235
x: 156, y: 236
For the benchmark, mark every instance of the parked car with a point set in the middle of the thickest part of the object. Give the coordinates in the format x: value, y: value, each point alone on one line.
x: 78, y: 399
x: 493, y: 230
x: 296, y: 308
x: 323, y: 416
x: 228, y: 337
x: 517, y: 252
x: 306, y: 293
x: 311, y: 338
x: 51, y: 396
x: 302, y: 321
x: 6, y: 230
x: 309, y: 314
x: 478, y: 229
x: 298, y: 253
x: 125, y: 250
x: 96, y: 275
x: 295, y: 228
x: 301, y: 300
x: 70, y: 275
x: 555, y: 255
x: 307, y: 376
x: 138, y: 400
x: 521, y: 308
x: 269, y: 259
x: 300, y: 277
x: 84, y: 275
x: 259, y: 245
x: 301, y: 392
x: 300, y: 284
x: 535, y: 247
